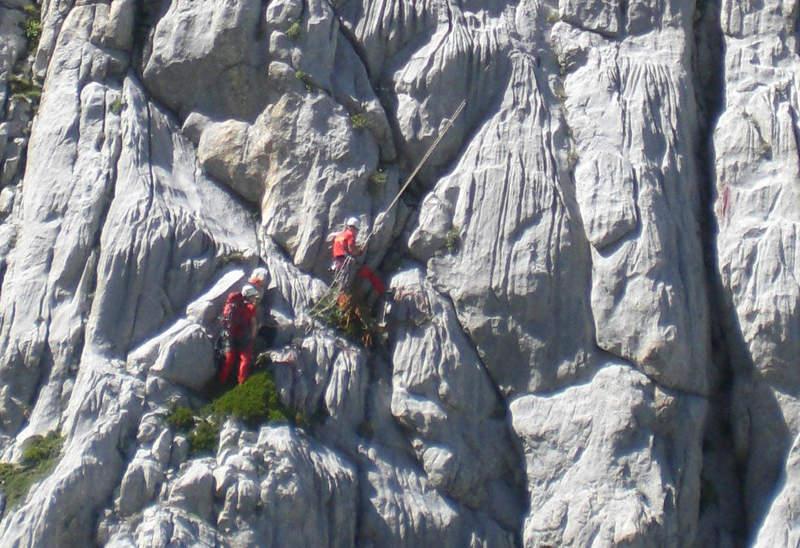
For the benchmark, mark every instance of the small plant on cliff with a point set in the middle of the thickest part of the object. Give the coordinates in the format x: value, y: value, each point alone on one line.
x: 234, y: 256
x: 359, y: 121
x: 21, y: 86
x: 294, y: 31
x: 377, y: 182
x: 32, y: 26
x: 305, y: 78
x: 181, y: 418
x: 116, y: 106
x: 379, y: 177
x: 452, y: 239
x: 38, y: 459
x: 204, y: 437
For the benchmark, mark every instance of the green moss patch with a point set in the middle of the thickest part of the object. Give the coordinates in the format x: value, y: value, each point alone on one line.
x: 39, y: 458
x: 294, y: 31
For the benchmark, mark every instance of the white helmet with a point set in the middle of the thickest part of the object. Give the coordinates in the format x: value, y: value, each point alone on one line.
x: 249, y: 292
x: 353, y: 221
x: 259, y: 277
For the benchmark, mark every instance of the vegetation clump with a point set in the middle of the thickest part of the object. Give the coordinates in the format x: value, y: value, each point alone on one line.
x: 32, y: 26
x: 452, y: 239
x: 234, y: 256
x: 117, y: 105
x: 379, y: 177
x: 359, y: 121
x: 38, y: 459
x: 349, y: 317
x: 254, y: 402
x: 181, y: 418
x: 204, y: 437
x: 24, y: 87
x: 305, y: 78
x: 294, y: 31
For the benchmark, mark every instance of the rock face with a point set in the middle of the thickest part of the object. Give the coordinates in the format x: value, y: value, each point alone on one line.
x: 595, y: 307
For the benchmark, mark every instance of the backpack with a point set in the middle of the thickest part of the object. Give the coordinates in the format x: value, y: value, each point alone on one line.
x: 233, y: 314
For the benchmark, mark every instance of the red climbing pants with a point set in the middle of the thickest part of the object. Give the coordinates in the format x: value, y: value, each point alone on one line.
x: 244, y: 357
x: 367, y: 273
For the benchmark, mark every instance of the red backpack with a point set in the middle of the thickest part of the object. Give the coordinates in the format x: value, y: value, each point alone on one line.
x: 234, y: 316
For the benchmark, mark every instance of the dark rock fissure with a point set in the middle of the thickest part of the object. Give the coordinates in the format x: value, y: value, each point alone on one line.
x: 720, y: 516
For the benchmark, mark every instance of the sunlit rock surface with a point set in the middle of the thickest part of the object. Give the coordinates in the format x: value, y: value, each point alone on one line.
x: 595, y: 308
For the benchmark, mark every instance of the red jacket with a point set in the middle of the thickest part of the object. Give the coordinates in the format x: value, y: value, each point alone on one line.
x: 344, y: 243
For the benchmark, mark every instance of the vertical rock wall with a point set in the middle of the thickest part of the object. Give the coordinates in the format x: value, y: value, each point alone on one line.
x: 547, y: 376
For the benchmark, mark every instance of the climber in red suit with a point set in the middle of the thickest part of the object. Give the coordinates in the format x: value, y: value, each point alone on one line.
x: 344, y: 245
x: 238, y: 318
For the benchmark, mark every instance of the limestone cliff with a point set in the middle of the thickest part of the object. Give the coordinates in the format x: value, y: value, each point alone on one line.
x: 595, y: 331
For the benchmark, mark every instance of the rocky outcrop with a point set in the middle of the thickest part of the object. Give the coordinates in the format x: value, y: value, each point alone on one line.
x: 579, y: 347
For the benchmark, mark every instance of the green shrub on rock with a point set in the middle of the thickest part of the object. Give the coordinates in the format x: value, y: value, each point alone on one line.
x: 204, y: 438
x: 181, y: 418
x: 254, y: 402
x: 39, y: 457
x: 294, y: 30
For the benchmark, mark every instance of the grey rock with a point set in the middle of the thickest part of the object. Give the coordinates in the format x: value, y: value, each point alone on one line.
x: 180, y: 451
x: 114, y: 25
x: 206, y: 57
x: 396, y: 497
x: 618, y: 425
x: 162, y: 447
x: 139, y: 485
x: 442, y: 393
x: 553, y: 336
x: 186, y: 357
x: 756, y: 209
x: 193, y: 490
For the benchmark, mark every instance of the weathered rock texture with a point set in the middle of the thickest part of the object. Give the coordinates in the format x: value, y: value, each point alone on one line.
x: 596, y: 309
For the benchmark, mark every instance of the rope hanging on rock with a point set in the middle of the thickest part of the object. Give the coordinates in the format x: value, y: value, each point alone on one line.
x: 416, y: 170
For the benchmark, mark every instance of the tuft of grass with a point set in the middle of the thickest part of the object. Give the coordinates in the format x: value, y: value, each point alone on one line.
x: 305, y: 78
x: 294, y: 31
x: 204, y: 438
x: 117, y: 105
x: 24, y: 87
x: 181, y: 418
x: 235, y: 256
x: 359, y: 121
x: 379, y: 177
x: 255, y: 401
x: 452, y: 239
x: 42, y: 448
x: 32, y: 26
x: 38, y: 459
